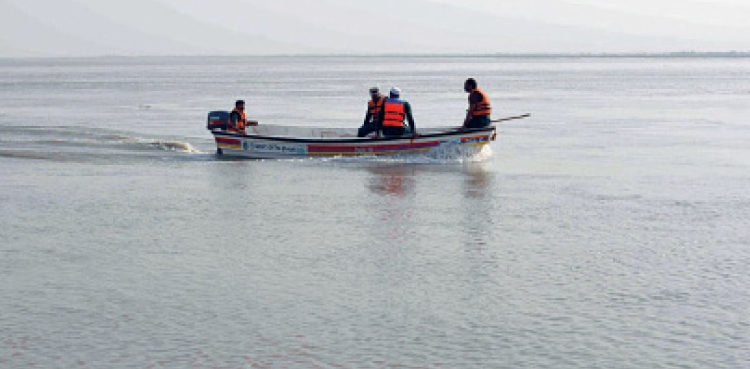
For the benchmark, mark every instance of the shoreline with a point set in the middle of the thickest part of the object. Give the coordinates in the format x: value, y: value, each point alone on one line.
x: 677, y: 54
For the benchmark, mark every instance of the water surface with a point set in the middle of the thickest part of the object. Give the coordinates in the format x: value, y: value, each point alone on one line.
x: 608, y: 230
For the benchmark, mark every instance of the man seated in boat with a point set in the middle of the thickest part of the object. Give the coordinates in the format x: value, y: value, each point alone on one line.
x: 478, y: 115
x: 391, y: 117
x: 374, y: 105
x: 238, y: 119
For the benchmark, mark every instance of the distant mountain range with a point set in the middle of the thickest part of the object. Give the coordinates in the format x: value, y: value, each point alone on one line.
x: 254, y: 27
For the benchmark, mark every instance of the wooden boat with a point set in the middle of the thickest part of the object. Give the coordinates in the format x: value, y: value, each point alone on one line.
x: 268, y: 141
x: 273, y: 142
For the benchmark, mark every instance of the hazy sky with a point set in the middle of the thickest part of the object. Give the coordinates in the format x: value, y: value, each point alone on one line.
x: 190, y: 27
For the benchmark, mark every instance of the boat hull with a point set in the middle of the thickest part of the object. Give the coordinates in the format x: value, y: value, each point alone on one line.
x: 259, y: 144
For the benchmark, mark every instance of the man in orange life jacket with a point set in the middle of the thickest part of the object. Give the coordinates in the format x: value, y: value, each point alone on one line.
x: 391, y: 117
x: 373, y: 112
x: 478, y: 115
x: 238, y: 118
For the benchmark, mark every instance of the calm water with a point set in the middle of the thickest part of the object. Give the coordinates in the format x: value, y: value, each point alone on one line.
x: 610, y: 230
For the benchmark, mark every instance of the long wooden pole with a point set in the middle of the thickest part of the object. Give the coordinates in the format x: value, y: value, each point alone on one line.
x: 511, y: 118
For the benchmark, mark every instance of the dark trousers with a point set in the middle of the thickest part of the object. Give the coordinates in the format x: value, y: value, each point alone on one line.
x: 366, y: 129
x: 394, y: 131
x: 479, y: 121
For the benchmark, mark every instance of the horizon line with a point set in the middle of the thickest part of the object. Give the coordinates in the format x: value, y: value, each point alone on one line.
x: 677, y: 54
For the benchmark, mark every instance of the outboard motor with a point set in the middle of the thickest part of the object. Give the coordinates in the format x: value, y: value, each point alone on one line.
x: 218, y: 119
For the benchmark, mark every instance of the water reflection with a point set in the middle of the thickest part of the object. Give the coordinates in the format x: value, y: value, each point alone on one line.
x: 477, y: 180
x: 394, y: 211
x: 400, y: 179
x: 478, y: 204
x: 465, y: 194
x: 392, y: 180
x: 483, y: 251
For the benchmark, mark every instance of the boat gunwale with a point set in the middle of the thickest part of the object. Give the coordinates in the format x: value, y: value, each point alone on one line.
x: 454, y: 132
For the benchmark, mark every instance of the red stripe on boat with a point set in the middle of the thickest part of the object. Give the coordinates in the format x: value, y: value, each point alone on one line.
x: 373, y: 148
x: 230, y: 141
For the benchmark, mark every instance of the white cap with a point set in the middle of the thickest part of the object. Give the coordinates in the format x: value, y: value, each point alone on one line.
x: 395, y: 91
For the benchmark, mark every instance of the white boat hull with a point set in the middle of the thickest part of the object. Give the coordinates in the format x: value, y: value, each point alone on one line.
x: 274, y: 142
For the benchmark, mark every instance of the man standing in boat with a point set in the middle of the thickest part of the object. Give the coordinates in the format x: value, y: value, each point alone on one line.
x: 374, y: 106
x: 391, y: 117
x: 478, y: 115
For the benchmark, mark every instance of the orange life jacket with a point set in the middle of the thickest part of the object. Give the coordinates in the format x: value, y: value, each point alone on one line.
x: 373, y: 107
x: 482, y: 107
x: 241, y: 122
x: 394, y: 113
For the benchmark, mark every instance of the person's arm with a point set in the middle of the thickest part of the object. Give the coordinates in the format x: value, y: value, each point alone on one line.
x: 233, y: 119
x: 468, y: 118
x: 367, y: 116
x: 379, y: 121
x: 474, y: 99
x: 410, y: 119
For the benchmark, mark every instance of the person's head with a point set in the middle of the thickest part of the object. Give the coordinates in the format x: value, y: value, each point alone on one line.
x: 470, y: 85
x: 374, y: 92
x: 395, y: 92
x: 239, y: 104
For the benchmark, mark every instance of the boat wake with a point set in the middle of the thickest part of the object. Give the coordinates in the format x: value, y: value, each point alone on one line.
x: 86, y: 144
x: 172, y: 146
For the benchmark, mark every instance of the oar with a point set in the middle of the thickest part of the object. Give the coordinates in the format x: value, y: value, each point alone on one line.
x: 511, y: 118
x: 461, y: 129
